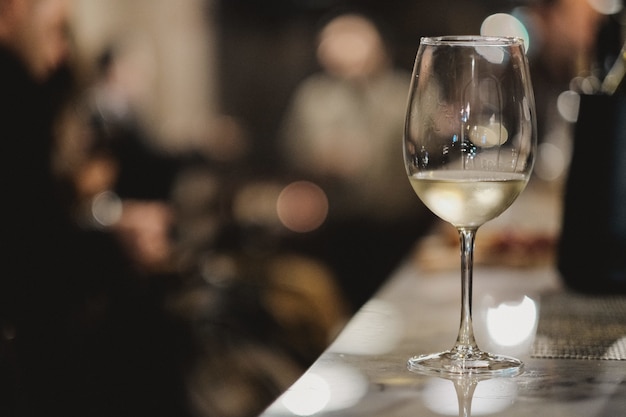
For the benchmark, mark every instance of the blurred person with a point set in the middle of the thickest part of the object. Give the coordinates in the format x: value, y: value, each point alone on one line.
x: 168, y: 211
x: 343, y: 131
x: 85, y: 329
x: 124, y: 172
x: 123, y: 182
x: 81, y: 332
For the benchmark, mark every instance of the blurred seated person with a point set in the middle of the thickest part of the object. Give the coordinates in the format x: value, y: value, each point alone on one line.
x: 81, y: 332
x: 86, y: 330
x: 121, y: 182
x: 168, y: 212
x: 343, y: 131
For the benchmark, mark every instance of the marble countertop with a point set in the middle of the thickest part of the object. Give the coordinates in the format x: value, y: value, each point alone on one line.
x: 363, y: 372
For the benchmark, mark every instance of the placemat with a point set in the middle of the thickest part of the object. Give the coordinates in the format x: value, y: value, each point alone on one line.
x: 577, y: 326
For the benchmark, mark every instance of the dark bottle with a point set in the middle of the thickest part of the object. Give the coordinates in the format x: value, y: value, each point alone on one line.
x: 592, y: 247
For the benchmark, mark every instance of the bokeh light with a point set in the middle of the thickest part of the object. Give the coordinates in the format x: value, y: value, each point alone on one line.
x: 511, y: 324
x: 106, y: 208
x: 567, y: 104
x: 302, y: 206
x: 325, y: 388
x: 607, y: 7
x: 504, y: 24
x: 551, y: 162
x: 307, y: 396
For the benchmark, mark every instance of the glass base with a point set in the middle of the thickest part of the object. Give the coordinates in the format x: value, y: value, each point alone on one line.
x: 451, y: 363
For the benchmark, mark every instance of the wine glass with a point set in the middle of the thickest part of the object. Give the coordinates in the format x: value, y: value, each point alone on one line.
x: 469, y: 147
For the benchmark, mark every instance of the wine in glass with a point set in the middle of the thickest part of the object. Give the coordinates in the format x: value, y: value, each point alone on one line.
x: 469, y: 147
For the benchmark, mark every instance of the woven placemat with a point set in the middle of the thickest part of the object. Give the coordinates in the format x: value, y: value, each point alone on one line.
x: 577, y: 326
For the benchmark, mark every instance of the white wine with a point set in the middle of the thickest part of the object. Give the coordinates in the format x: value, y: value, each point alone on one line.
x: 467, y: 198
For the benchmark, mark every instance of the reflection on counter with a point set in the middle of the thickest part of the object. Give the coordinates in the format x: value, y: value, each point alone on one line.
x: 326, y: 388
x: 516, y: 308
x: 475, y: 397
x: 509, y: 325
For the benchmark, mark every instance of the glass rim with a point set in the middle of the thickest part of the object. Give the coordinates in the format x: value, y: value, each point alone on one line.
x: 471, y: 40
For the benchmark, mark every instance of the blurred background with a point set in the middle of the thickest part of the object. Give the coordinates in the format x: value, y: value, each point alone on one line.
x: 244, y: 59
x: 272, y: 130
x: 239, y: 82
x: 286, y: 118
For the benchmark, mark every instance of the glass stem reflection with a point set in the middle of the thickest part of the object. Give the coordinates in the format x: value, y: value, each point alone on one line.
x: 465, y: 391
x: 465, y: 343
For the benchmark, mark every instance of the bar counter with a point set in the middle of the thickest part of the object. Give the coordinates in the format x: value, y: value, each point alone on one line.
x: 573, y: 347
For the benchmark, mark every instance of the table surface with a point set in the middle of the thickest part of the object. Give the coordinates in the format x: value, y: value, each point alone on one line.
x: 573, y: 365
x: 363, y: 372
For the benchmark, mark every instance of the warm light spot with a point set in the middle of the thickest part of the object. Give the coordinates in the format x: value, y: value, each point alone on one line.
x: 106, y: 208
x: 488, y: 136
x: 324, y: 388
x: 302, y: 206
x: 551, y: 162
x: 607, y: 7
x: 567, y: 104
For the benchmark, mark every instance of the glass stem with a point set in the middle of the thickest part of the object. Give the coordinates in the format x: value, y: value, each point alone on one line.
x: 465, y: 343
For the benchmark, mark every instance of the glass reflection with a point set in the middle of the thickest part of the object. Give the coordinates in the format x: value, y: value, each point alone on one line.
x: 475, y: 396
